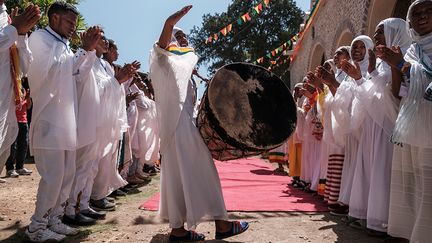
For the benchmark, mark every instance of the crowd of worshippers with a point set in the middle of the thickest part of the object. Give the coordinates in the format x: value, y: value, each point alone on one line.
x: 362, y: 139
x: 93, y: 130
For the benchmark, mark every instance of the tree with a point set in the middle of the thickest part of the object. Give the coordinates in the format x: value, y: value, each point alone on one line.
x: 43, y: 22
x: 266, y: 31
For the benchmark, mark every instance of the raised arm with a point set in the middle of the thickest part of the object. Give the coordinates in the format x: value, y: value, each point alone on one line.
x: 165, y: 37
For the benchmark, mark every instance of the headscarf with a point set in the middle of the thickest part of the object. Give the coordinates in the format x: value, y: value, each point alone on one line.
x: 369, y: 45
x: 424, y: 41
x: 332, y: 65
x: 339, y: 74
x: 174, y: 46
x: 396, y: 34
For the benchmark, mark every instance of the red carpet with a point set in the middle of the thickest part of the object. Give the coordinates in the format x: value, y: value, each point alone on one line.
x: 250, y: 185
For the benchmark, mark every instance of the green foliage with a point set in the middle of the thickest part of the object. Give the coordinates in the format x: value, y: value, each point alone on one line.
x: 43, y: 22
x: 251, y: 40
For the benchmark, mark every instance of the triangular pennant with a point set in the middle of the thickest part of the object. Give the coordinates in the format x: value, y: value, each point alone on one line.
x: 239, y: 21
x: 210, y: 39
x: 273, y: 53
x: 224, y: 31
x: 266, y: 2
x: 276, y: 51
x: 268, y: 55
x: 254, y: 62
x: 260, y: 7
x: 229, y: 28
x: 257, y: 10
x: 206, y: 41
x: 216, y: 36
x: 246, y: 17
x: 280, y: 49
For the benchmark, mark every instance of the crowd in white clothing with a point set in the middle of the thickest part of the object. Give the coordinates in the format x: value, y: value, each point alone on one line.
x: 363, y: 124
x: 89, y: 116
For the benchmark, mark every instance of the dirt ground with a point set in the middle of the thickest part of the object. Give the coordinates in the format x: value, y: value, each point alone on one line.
x: 130, y: 224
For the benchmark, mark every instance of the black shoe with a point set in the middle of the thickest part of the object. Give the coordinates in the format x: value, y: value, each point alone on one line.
x: 78, y: 220
x: 118, y: 193
x: 150, y: 170
x: 93, y: 214
x: 102, y: 205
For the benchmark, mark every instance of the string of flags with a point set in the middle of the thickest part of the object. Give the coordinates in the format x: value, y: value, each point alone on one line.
x: 283, y: 48
x: 255, y: 11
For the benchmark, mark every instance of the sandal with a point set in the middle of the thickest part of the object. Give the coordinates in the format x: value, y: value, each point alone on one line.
x: 237, y: 227
x: 358, y: 224
x: 189, y: 237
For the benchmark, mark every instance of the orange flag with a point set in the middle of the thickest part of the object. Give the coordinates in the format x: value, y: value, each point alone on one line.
x: 224, y: 31
x: 246, y: 17
x: 229, y: 28
x: 266, y: 2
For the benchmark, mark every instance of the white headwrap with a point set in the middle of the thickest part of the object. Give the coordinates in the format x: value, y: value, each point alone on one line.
x: 174, y: 32
x: 339, y: 74
x: 424, y: 41
x: 396, y: 34
x: 332, y: 65
x: 369, y: 45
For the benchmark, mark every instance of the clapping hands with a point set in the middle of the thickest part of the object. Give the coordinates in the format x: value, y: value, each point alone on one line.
x: 25, y: 21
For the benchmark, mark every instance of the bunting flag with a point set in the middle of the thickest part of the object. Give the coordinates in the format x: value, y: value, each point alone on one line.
x: 229, y: 27
x: 239, y: 21
x: 258, y: 8
x: 242, y: 19
x: 224, y: 31
x: 246, y: 17
x: 281, y: 49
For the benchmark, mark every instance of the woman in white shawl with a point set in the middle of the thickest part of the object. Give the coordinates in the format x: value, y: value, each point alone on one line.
x: 361, y: 126
x: 190, y: 185
x: 410, y: 213
x: 377, y: 98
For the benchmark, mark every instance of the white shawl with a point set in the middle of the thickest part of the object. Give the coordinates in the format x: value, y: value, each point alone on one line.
x: 170, y: 74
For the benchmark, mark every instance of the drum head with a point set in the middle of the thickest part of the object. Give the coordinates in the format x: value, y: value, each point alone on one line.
x: 251, y: 108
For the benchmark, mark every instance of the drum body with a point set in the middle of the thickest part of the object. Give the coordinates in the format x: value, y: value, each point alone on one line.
x: 245, y: 111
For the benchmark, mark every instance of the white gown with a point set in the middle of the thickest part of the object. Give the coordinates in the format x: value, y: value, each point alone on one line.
x: 190, y: 187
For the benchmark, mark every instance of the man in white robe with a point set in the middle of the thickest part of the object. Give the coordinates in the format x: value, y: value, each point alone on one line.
x: 113, y: 123
x: 77, y: 211
x: 190, y: 186
x: 13, y: 34
x: 53, y: 131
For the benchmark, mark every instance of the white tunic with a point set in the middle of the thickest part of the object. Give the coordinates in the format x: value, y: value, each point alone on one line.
x: 53, y: 88
x: 147, y: 130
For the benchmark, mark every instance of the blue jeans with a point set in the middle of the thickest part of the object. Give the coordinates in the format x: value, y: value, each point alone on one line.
x: 18, y: 151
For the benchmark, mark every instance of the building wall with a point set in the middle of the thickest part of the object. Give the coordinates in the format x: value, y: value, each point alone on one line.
x: 337, y: 23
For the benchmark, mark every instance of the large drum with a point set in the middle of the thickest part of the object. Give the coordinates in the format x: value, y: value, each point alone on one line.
x: 245, y: 111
